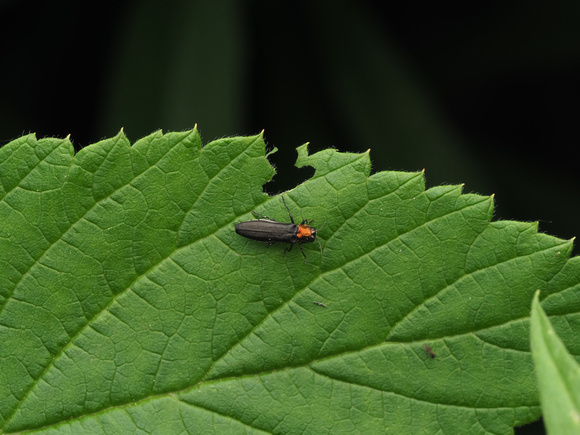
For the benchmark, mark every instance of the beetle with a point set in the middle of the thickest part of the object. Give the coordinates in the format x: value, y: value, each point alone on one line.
x: 268, y: 230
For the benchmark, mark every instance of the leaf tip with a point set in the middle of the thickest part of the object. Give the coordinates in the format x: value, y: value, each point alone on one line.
x: 302, y: 150
x: 274, y: 150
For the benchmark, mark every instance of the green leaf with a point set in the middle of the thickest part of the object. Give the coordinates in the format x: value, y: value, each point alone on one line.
x: 128, y: 303
x: 558, y: 375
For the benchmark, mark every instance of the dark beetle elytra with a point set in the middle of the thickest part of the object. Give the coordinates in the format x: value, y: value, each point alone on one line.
x: 271, y: 231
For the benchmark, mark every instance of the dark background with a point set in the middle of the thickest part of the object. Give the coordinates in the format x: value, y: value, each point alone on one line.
x: 487, y: 96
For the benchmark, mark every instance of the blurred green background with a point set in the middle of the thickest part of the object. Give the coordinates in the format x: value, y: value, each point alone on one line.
x: 486, y: 95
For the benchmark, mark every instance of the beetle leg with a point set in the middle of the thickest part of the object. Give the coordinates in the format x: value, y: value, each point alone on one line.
x: 302, y: 250
x: 289, y: 249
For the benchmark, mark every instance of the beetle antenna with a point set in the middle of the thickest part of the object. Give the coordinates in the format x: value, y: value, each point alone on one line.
x: 290, y: 214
